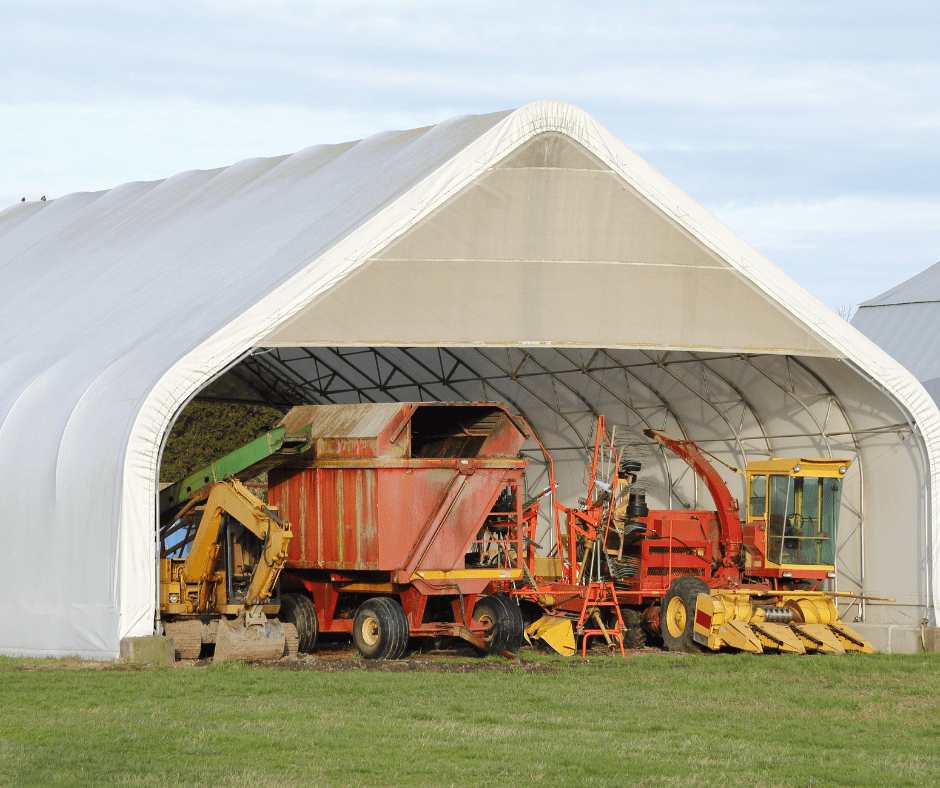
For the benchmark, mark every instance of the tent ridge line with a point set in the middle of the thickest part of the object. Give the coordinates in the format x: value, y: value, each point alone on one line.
x: 551, y: 343
x: 897, y: 303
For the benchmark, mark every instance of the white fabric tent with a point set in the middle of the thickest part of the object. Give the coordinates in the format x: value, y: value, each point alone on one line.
x: 530, y: 250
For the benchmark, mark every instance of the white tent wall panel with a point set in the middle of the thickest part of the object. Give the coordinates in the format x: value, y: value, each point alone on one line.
x: 908, y: 331
x: 894, y: 531
x: 530, y: 245
x: 905, y: 321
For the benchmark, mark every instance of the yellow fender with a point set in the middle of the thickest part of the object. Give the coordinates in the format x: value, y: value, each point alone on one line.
x: 556, y: 631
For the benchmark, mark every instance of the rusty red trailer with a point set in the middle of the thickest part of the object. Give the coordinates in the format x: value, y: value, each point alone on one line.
x: 399, y: 513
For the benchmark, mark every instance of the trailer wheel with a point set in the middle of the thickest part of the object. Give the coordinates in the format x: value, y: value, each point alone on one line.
x: 298, y: 610
x: 380, y: 629
x: 677, y: 613
x: 635, y: 635
x: 503, y: 621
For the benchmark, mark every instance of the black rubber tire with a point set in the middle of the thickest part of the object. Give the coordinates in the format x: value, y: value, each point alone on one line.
x: 634, y: 635
x: 298, y: 610
x: 677, y: 614
x: 504, y: 623
x: 380, y: 629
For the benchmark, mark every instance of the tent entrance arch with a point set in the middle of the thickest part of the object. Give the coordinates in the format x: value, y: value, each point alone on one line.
x: 740, y: 407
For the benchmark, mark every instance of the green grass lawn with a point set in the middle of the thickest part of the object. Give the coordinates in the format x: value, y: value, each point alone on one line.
x: 650, y: 720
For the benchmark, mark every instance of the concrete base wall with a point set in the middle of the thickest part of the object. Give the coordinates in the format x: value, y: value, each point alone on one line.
x: 900, y: 638
x: 154, y: 650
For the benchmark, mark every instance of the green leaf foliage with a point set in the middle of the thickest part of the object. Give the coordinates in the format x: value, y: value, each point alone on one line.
x: 206, y: 431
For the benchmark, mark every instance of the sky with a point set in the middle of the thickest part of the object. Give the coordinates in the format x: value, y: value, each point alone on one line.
x: 811, y: 129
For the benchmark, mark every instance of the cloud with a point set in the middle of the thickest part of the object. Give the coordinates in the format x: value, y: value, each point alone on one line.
x: 844, y: 250
x: 812, y: 128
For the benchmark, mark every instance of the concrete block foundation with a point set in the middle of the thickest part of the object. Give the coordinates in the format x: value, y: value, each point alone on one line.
x: 154, y: 650
x: 900, y: 638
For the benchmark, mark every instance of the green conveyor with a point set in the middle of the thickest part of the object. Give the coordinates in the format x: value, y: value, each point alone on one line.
x: 246, y: 462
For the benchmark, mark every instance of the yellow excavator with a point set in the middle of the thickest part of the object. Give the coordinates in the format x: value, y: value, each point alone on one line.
x: 221, y: 556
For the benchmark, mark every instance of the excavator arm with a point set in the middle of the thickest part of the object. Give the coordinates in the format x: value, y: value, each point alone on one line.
x: 195, y: 603
x: 231, y: 497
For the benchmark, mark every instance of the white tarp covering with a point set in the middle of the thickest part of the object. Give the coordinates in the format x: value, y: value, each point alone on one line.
x: 118, y: 306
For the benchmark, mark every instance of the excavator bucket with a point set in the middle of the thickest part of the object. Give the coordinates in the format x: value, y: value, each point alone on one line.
x: 250, y: 638
x: 556, y: 631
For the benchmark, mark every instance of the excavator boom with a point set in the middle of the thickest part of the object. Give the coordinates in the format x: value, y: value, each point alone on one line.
x: 232, y: 498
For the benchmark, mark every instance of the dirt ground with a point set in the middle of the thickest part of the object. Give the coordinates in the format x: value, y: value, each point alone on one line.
x: 341, y: 657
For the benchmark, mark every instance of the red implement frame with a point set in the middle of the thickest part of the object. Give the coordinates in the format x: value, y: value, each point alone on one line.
x: 571, y: 592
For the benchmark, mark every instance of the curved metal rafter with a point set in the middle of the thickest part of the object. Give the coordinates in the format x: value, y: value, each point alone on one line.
x: 590, y: 373
x: 514, y: 375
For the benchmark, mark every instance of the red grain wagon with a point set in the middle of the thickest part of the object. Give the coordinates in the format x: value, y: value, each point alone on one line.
x: 399, y: 513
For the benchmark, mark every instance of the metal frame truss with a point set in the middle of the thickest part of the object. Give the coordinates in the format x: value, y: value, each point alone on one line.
x: 561, y: 390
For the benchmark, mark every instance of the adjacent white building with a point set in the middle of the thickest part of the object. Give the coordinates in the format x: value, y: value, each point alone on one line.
x: 905, y: 321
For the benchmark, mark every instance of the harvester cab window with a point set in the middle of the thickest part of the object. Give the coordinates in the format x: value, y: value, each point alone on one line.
x: 758, y: 497
x: 802, y: 522
x: 829, y: 518
x: 780, y: 504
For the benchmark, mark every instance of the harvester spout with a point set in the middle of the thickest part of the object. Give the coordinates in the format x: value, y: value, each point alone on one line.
x: 729, y: 522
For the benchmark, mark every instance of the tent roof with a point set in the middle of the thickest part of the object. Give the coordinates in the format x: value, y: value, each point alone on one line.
x: 120, y: 305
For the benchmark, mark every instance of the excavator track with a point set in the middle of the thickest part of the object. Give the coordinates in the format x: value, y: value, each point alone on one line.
x: 187, y: 638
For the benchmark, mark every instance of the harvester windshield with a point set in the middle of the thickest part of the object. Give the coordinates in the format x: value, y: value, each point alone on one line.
x: 801, y: 511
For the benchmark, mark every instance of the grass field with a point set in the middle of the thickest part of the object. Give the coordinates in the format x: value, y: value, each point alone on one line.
x: 649, y: 720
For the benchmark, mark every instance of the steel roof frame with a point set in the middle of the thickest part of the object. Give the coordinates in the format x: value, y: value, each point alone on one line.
x: 550, y: 376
